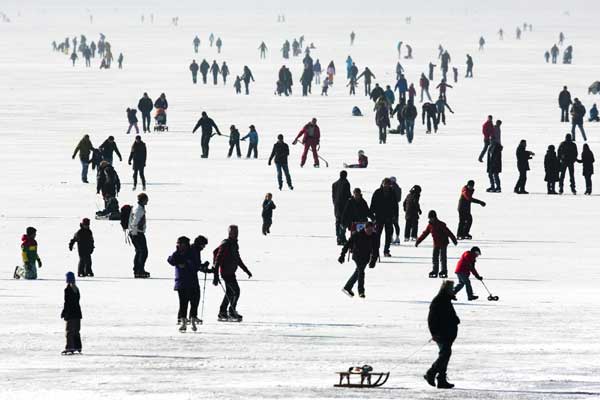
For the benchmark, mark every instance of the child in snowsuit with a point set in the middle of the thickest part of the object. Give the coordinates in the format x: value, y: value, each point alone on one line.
x: 552, y: 169
x: 325, y: 87
x: 464, y: 268
x: 85, y: 247
x: 234, y: 141
x: 267, y: 213
x: 440, y: 234
x: 363, y: 161
x: 412, y: 210
x: 253, y: 145
x: 71, y: 313
x: 29, y: 255
x: 365, y: 250
x: 238, y: 85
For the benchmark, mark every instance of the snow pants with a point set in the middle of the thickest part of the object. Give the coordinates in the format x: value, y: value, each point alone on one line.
x: 358, y: 275
x: 465, y: 220
x: 439, y: 254
x: 72, y: 327
x: 313, y: 147
x: 85, y: 265
x: 411, y: 227
x: 440, y: 366
x: 191, y: 296
x: 232, y: 294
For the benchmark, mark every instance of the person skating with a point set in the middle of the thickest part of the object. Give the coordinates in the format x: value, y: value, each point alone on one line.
x: 494, y: 167
x: 412, y: 211
x: 431, y: 67
x: 587, y: 159
x: 577, y: 114
x: 382, y: 118
x: 107, y: 182
x: 204, y: 68
x: 246, y: 78
x: 138, y: 157
x: 567, y: 155
x: 443, y: 326
x: 356, y: 211
x: 469, y: 63
x: 311, y: 137
x: 352, y: 38
x: 137, y: 234
x: 551, y: 169
x: 377, y: 93
x: 465, y: 219
x: 215, y: 71
x: 441, y: 236
x: 429, y: 110
x: 384, y: 207
x: 554, y: 51
x: 564, y: 102
x: 145, y: 106
x: 424, y: 85
x: 398, y: 193
x: 363, y: 161
x: 74, y: 57
x: 280, y: 154
x: 84, y: 148
x: 132, y: 119
x: 409, y: 114
x: 219, y: 44
x: 224, y: 72
x: 237, y: 84
x: 389, y: 96
x: 317, y: 69
x: 369, y: 76
x: 85, y: 247
x: 227, y: 261
x: 325, y: 87
x: 523, y: 157
x: 71, y: 313
x: 29, y: 256
x: 196, y: 43
x: 464, y: 268
x: 594, y: 116
x: 547, y: 56
x: 340, y: 193
x: 211, y: 39
x: 186, y: 263
x: 365, y: 251
x: 442, y: 86
x: 120, y: 60
x: 207, y: 124
x: 194, y: 69
x: 455, y: 74
x: 267, y: 213
x: 252, y: 135
x: 107, y: 148
x: 234, y: 141
x: 441, y: 104
x: 402, y: 88
x: 263, y: 50
x: 487, y: 131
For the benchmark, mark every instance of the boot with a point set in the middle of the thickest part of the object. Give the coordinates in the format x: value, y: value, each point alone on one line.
x: 348, y: 292
x: 433, y: 274
x: 183, y: 326
x: 473, y: 298
x: 442, y: 382
x: 430, y: 377
x: 193, y: 323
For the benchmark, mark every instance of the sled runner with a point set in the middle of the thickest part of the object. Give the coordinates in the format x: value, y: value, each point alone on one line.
x: 368, y: 378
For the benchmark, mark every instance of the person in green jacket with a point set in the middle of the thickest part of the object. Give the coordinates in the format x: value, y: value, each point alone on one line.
x: 29, y: 255
x: 84, y: 148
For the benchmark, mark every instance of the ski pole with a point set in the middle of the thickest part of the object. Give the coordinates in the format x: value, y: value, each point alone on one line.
x: 325, y: 161
x: 203, y: 298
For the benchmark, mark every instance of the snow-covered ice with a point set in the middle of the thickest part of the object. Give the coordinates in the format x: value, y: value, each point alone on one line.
x: 539, y: 252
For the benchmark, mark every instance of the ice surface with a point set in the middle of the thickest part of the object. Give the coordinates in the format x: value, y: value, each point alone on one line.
x: 539, y: 253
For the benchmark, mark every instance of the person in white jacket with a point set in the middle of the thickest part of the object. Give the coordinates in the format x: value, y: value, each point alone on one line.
x: 137, y: 233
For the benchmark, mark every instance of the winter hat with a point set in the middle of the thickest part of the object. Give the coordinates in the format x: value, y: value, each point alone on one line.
x: 432, y: 214
x: 30, y: 230
x: 70, y: 277
x: 393, y: 179
x: 252, y: 128
x: 200, y: 241
x: 85, y: 222
x: 183, y: 239
x: 475, y: 249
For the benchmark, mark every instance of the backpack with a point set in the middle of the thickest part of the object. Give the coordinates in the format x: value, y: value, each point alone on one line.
x: 125, y: 214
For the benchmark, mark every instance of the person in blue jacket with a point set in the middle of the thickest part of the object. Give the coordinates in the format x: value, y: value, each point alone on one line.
x: 389, y: 95
x: 402, y: 87
x: 253, y: 144
x: 349, y: 63
x: 594, y: 114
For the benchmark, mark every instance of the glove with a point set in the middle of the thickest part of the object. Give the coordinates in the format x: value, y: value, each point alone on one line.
x: 480, y: 278
x: 205, y: 264
x: 216, y: 280
x: 269, y: 162
x: 39, y: 263
x: 483, y: 204
x: 372, y: 263
x: 249, y: 274
x: 341, y: 259
x: 70, y: 247
x: 294, y: 142
x: 129, y: 162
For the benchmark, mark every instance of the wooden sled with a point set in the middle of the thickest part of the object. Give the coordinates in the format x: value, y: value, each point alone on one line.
x: 366, y: 379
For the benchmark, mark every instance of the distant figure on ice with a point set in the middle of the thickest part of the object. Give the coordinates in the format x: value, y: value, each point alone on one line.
x: 352, y: 37
x: 263, y: 50
x: 554, y: 53
x: 120, y: 60
x: 488, y: 133
x: 384, y: 208
x: 431, y: 67
x: 594, y: 114
x: 204, y: 67
x: 137, y: 156
x: 85, y: 247
x: 408, y: 52
x: 424, y: 85
x: 29, y: 255
x: 365, y: 251
x: 71, y: 313
x: 247, y: 77
x: 194, y: 69
x: 564, y: 102
x: 587, y: 159
x: 469, y: 73
x: 267, y: 213
x: 363, y: 161
x: 219, y: 44
x: 481, y: 43
x: 442, y: 86
x: 409, y: 114
x: 227, y: 261
x: 551, y: 169
x: 518, y: 33
x: 211, y: 39
x: 145, y: 106
x: 547, y: 56
x: 215, y: 71
x: 207, y: 124
x: 280, y: 154
x: 465, y: 219
x: 368, y: 75
x: 234, y: 142
x: 455, y: 74
x: 567, y: 156
x: 74, y: 57
x: 445, y: 61
x: 443, y: 326
x: 441, y: 238
x: 568, y: 55
x: 382, y: 118
x: 132, y: 119
x: 577, y: 114
x: 252, y: 135
x: 429, y: 111
x: 523, y: 157
x: 441, y: 106
x: 107, y: 148
x: 464, y: 268
x: 196, y: 42
x: 501, y: 34
x: 561, y: 39
x: 84, y: 148
x: 412, y: 211
x: 494, y: 166
x: 311, y: 137
x: 224, y: 72
x: 340, y: 194
x: 137, y: 233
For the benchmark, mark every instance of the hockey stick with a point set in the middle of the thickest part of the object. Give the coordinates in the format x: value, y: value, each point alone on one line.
x: 325, y: 161
x: 226, y: 295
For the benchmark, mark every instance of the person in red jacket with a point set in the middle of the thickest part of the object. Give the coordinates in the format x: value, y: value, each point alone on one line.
x: 464, y: 268
x: 441, y: 238
x: 311, y: 136
x: 363, y: 161
x: 227, y: 260
x: 488, y: 135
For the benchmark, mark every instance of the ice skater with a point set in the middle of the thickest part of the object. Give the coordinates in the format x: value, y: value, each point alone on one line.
x: 71, y: 313
x: 365, y: 251
x: 441, y: 238
x: 464, y: 268
x: 267, y: 213
x: 85, y: 247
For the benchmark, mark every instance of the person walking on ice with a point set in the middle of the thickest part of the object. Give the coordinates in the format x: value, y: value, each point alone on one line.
x: 267, y: 213
x: 365, y: 250
x: 71, y: 313
x: 85, y: 247
x: 280, y: 154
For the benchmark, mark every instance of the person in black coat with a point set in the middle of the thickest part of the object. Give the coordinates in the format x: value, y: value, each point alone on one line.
x: 564, y: 101
x: 107, y: 182
x: 567, y: 155
x: 412, y: 210
x: 107, y: 148
x: 85, y: 247
x: 138, y: 157
x: 523, y: 157
x: 132, y: 119
x: 267, y: 213
x: 71, y: 313
x: 356, y: 210
x: 365, y: 250
x: 494, y: 166
x: 551, y: 169
x: 587, y: 159
x: 186, y: 263
x: 429, y: 110
x: 163, y: 104
x: 207, y: 125
x: 145, y: 106
x: 204, y: 67
x: 385, y: 208
x: 465, y: 219
x: 340, y: 193
x: 194, y: 69
x: 443, y: 326
x: 280, y: 154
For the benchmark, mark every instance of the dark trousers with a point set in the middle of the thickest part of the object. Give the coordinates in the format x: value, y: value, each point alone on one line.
x: 204, y: 142
x: 252, y: 148
x: 430, y: 119
x: 441, y: 117
x: 232, y: 294
x: 235, y: 145
x: 440, y: 366
x: 367, y: 88
x: 266, y: 226
x: 520, y: 186
x: 564, y: 114
x: 388, y: 226
x: 463, y: 280
x: 494, y: 180
x: 551, y: 187
x: 580, y: 125
x: 141, y: 252
x: 191, y: 296
x: 283, y: 167
x: 358, y: 275
x: 146, y: 121
x: 396, y: 226
x: 194, y: 78
x: 563, y: 171
x: 72, y: 328
x: 246, y: 87
x: 439, y: 254
x: 486, y: 144
x: 340, y: 231
x: 85, y: 264
x: 588, y: 184
x: 411, y: 227
x: 465, y: 220
x: 203, y: 77
x: 382, y: 134
x: 139, y: 170
x: 215, y: 79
